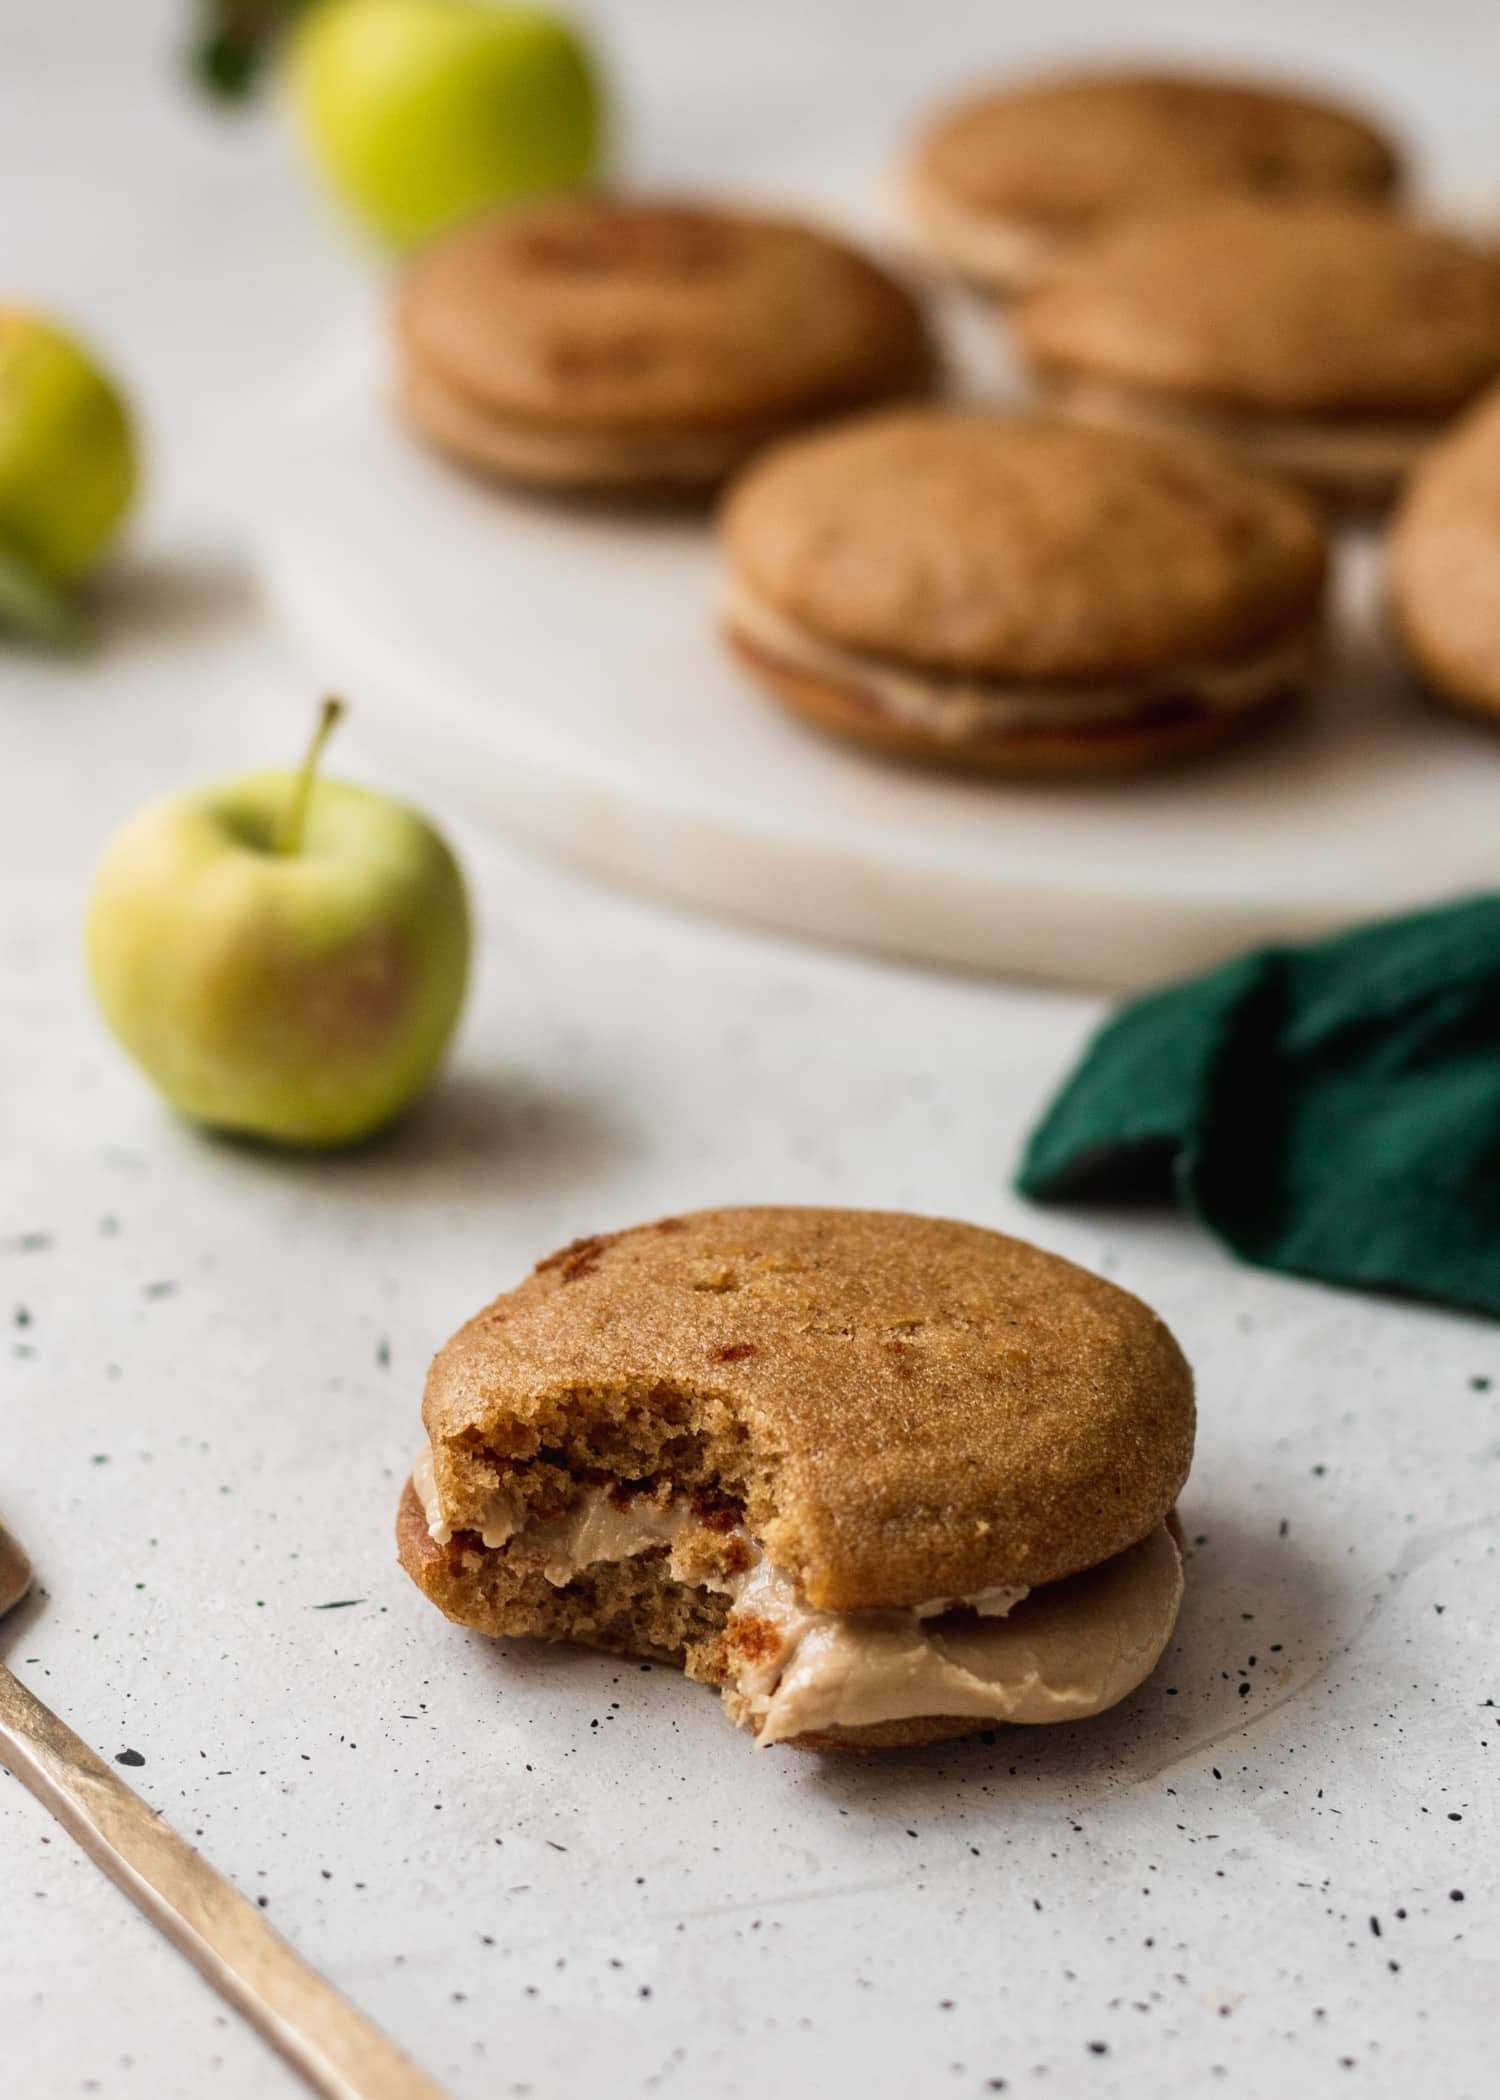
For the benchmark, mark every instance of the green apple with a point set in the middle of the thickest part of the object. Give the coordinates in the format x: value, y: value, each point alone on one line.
x: 283, y: 955
x: 67, y: 471
x: 420, y: 111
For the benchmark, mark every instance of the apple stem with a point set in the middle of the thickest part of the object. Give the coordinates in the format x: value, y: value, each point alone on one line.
x: 289, y: 831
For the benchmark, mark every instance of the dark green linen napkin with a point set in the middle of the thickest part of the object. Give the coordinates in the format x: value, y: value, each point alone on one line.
x: 1330, y: 1111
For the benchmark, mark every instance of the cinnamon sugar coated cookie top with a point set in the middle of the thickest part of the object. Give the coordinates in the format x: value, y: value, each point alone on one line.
x: 1444, y: 561
x: 1067, y: 153
x: 1315, y: 309
x: 978, y: 541
x: 599, y: 312
x: 907, y: 1408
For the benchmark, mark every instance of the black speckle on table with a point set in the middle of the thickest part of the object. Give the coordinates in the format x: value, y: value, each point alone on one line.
x: 129, y: 1757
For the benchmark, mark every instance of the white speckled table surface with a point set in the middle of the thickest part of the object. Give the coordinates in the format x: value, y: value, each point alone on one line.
x: 1272, y: 1872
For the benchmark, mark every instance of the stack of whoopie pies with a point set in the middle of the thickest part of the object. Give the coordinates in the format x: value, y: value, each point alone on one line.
x: 1232, y: 330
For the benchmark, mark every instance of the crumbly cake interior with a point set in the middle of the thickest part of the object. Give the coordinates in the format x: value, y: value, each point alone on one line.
x: 653, y: 1441
x: 627, y: 1607
x: 669, y: 1602
x: 653, y: 1448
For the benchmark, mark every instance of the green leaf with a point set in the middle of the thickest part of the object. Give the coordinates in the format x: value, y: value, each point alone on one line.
x: 36, y: 608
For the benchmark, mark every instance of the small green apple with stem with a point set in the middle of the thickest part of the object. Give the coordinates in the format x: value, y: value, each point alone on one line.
x: 284, y: 955
x: 67, y: 474
x: 421, y: 111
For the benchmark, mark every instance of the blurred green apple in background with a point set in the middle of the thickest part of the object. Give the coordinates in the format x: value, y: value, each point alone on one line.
x: 420, y: 111
x: 284, y: 956
x: 67, y: 472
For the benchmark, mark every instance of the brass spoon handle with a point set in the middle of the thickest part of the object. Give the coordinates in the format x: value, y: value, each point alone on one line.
x: 335, y: 2049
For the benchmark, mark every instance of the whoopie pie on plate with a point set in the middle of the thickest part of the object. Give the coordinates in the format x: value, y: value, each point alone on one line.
x: 1010, y: 594
x: 642, y: 346
x: 1444, y: 564
x: 1327, y: 342
x: 1004, y: 184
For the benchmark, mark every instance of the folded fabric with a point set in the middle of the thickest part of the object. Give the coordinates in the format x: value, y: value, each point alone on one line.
x: 1330, y: 1111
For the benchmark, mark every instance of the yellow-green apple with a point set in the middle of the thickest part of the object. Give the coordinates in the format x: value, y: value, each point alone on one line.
x: 67, y: 471
x: 420, y: 111
x: 283, y: 955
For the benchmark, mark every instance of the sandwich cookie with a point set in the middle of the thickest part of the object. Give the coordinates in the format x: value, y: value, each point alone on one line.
x: 600, y: 343
x: 1325, y: 342
x: 880, y: 1479
x: 1009, y: 594
x: 1444, y: 562
x: 1004, y: 185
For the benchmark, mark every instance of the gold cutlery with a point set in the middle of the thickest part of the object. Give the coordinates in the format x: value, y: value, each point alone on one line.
x: 336, y: 2050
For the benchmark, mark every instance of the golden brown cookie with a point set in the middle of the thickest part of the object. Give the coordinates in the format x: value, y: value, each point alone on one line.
x: 1444, y: 563
x: 614, y: 344
x: 880, y: 1478
x: 1007, y: 182
x: 1008, y: 593
x: 1329, y: 343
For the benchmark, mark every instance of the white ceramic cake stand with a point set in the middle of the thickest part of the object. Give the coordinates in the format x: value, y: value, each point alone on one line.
x: 557, y: 671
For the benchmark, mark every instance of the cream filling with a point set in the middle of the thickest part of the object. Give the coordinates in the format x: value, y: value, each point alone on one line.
x: 1000, y: 253
x: 487, y: 437
x: 498, y: 1524
x: 1077, y: 1647
x: 424, y: 1481
x: 957, y: 709
x: 1071, y: 1649
x: 1311, y: 448
x: 602, y: 1527
x: 598, y: 1528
